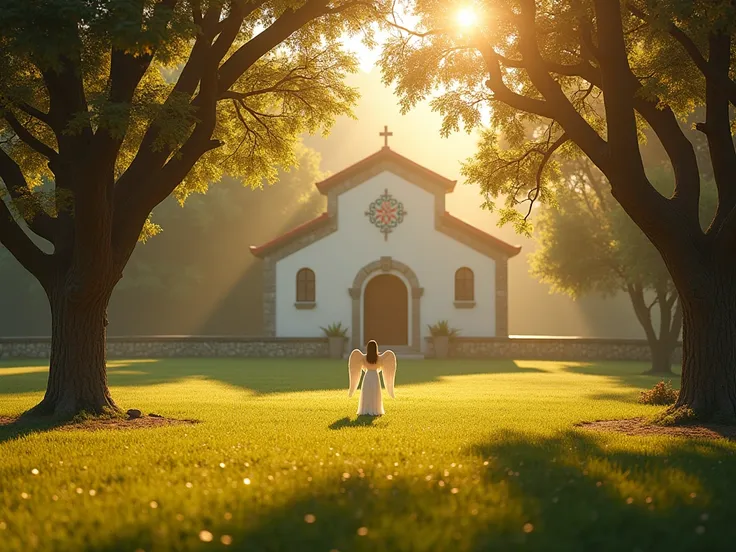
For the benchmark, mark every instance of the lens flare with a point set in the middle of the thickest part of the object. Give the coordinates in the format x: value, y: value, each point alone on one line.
x: 466, y: 17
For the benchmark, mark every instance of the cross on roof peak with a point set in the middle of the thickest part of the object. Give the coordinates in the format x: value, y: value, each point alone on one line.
x: 385, y: 135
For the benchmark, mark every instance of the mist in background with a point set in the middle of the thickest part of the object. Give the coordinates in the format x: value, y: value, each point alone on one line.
x: 198, y: 276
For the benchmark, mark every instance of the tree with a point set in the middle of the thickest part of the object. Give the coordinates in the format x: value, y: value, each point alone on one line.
x: 193, y: 262
x: 587, y: 244
x: 649, y: 62
x: 120, y: 103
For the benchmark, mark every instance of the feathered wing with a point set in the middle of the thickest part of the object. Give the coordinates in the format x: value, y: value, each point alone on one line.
x: 388, y: 367
x: 355, y: 364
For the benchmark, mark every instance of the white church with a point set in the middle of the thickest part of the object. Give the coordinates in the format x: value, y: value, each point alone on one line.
x: 386, y: 260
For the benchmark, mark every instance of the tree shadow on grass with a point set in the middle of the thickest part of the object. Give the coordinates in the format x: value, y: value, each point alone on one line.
x: 579, y: 495
x: 360, y: 421
x: 352, y: 515
x: 12, y: 428
x: 628, y: 397
x: 570, y: 492
x: 18, y: 427
x: 263, y: 376
x: 628, y: 372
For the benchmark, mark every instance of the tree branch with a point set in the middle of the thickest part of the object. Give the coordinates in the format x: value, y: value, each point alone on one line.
x: 636, y: 294
x: 29, y: 139
x: 36, y: 218
x: 697, y: 57
x: 134, y: 201
x: 503, y: 93
x: 717, y: 128
x: 574, y: 125
x: 11, y: 234
x: 33, y: 112
x: 245, y: 56
x: 542, y: 164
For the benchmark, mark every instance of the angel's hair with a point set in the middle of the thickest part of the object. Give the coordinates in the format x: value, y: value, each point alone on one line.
x: 371, y: 355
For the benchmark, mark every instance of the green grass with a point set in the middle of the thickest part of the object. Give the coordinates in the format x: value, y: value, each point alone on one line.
x: 472, y: 455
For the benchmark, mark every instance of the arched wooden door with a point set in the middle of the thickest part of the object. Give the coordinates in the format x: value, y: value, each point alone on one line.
x: 386, y: 311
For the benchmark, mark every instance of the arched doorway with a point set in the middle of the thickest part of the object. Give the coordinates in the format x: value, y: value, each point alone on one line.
x: 386, y: 311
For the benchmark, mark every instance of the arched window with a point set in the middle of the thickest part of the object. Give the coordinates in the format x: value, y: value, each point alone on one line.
x: 305, y: 286
x: 464, y: 285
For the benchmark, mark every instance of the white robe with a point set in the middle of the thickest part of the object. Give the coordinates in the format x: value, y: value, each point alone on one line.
x: 371, y: 400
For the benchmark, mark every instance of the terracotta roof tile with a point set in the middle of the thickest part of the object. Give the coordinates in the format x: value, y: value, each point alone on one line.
x: 283, y: 239
x: 314, y: 224
x: 510, y: 250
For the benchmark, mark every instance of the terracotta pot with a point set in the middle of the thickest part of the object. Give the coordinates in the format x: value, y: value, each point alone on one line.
x: 441, y: 345
x: 337, y: 346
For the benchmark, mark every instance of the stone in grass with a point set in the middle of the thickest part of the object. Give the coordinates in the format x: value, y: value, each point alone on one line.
x: 152, y: 415
x: 134, y: 413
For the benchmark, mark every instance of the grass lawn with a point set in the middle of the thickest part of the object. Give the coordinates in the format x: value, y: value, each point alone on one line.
x: 472, y: 455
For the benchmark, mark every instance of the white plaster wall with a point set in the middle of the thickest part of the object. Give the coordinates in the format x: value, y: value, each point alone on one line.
x: 337, y: 258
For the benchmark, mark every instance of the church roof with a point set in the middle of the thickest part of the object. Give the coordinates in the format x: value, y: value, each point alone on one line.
x: 485, y: 237
x: 466, y: 230
x: 288, y: 237
x: 384, y: 155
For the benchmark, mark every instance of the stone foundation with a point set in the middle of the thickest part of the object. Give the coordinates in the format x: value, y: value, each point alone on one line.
x: 528, y: 348
x: 179, y: 346
x: 551, y: 348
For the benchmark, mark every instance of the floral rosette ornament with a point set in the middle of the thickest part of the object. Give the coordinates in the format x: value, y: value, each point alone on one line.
x: 386, y: 213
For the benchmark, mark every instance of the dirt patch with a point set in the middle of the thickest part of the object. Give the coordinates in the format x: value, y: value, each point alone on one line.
x: 640, y: 426
x: 93, y: 424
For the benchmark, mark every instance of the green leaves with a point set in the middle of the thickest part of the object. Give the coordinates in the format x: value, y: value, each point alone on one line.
x: 335, y: 330
x: 295, y: 87
x: 588, y: 244
x: 483, y: 79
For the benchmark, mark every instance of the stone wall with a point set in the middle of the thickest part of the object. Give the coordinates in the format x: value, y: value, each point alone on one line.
x: 529, y: 348
x: 179, y: 346
x: 551, y: 348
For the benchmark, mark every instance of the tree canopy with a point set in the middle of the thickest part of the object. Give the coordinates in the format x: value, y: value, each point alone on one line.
x: 593, y: 75
x: 525, y: 64
x: 177, y: 94
x: 107, y: 107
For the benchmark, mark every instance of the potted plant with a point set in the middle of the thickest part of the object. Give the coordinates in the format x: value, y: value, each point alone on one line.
x: 441, y: 335
x: 336, y: 335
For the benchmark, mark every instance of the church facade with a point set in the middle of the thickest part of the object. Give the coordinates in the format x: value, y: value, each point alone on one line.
x: 386, y: 260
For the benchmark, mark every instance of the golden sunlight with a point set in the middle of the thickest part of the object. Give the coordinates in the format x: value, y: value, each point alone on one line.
x: 466, y: 17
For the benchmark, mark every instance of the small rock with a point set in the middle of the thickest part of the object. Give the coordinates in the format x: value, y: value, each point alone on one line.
x: 134, y: 413
x: 152, y: 415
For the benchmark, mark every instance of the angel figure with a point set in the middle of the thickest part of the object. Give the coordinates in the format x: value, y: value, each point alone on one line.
x: 371, y: 402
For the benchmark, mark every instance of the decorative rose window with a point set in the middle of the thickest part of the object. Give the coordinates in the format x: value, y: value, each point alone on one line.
x: 386, y: 213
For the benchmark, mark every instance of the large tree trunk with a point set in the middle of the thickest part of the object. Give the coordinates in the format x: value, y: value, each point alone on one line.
x: 709, y: 347
x: 78, y: 374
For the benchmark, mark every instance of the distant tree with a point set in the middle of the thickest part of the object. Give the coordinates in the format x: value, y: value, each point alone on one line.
x: 587, y: 244
x: 120, y: 103
x: 649, y: 62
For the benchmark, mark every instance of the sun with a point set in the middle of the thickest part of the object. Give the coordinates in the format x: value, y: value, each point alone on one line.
x: 466, y: 17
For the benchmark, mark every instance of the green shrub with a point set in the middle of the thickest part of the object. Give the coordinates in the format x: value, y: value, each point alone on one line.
x: 335, y: 330
x: 660, y: 395
x: 442, y: 328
